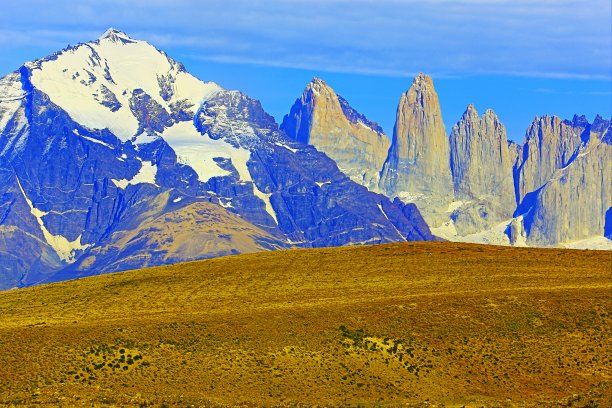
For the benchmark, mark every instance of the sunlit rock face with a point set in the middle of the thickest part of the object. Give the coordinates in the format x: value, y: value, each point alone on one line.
x: 325, y: 120
x: 417, y: 168
x: 481, y: 166
x: 550, y: 144
x: 575, y: 202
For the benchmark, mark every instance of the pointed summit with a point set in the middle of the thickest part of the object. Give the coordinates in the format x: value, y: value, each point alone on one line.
x: 97, y: 83
x: 115, y: 35
x: 550, y: 144
x: 317, y: 86
x: 327, y: 121
x: 482, y: 169
x: 317, y: 81
x: 422, y: 80
x: 418, y: 161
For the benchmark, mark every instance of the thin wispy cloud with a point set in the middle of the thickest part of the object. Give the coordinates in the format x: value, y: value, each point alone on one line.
x: 549, y: 39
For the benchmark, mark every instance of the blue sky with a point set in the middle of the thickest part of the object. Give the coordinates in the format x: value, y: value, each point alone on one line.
x: 521, y: 58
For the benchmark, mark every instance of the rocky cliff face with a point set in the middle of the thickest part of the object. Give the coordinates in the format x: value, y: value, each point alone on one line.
x: 325, y: 120
x: 574, y: 203
x: 417, y: 168
x: 550, y: 144
x: 482, y: 171
x: 480, y: 159
x: 475, y: 185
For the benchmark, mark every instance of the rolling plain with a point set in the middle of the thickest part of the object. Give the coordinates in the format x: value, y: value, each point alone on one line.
x: 410, y: 324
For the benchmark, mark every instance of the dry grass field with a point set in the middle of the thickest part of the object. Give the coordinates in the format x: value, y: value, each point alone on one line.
x: 415, y: 324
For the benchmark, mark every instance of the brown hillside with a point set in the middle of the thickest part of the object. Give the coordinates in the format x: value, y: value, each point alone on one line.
x: 400, y: 324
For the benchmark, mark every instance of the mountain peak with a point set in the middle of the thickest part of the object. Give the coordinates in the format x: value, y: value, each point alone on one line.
x: 317, y: 80
x: 490, y: 113
x: 470, y: 110
x: 423, y: 80
x: 317, y: 85
x: 116, y: 35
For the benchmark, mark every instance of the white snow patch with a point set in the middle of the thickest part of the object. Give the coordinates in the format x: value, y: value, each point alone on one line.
x: 408, y: 197
x: 494, y: 236
x: 598, y: 243
x: 65, y: 249
x: 91, y: 139
x: 146, y: 174
x: 286, y: 147
x: 198, y: 151
x: 227, y: 203
x: 521, y: 240
x: 446, y: 230
x: 387, y: 217
x: 122, y: 184
x: 455, y: 205
x: 366, y: 242
x: 364, y: 125
x: 295, y: 242
x: 144, y: 138
x: 382, y: 211
x: 11, y: 95
x: 265, y: 197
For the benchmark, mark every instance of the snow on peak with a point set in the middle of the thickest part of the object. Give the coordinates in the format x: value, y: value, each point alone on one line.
x: 95, y: 82
x: 116, y: 36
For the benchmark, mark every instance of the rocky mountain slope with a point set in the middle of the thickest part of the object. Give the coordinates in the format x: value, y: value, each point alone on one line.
x: 111, y: 153
x: 112, y: 156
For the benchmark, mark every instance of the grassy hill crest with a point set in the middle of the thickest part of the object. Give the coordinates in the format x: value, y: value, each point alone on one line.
x: 400, y: 324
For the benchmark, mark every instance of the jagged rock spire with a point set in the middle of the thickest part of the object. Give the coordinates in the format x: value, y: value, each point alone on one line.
x: 480, y: 160
x: 325, y: 120
x: 417, y: 167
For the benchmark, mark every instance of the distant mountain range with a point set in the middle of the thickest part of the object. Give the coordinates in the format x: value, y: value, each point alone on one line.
x: 472, y: 185
x: 113, y: 157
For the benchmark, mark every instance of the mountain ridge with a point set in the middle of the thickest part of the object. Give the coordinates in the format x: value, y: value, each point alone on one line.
x: 106, y: 138
x: 495, y: 181
x: 95, y: 134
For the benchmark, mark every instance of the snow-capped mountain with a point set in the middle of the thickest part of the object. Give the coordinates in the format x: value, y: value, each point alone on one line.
x: 112, y: 156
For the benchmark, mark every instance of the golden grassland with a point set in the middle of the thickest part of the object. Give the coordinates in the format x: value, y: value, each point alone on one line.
x: 411, y: 324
